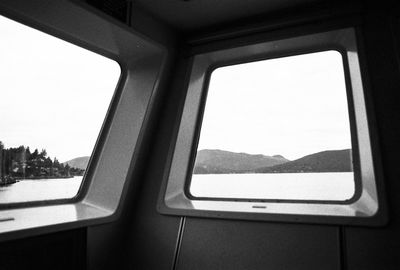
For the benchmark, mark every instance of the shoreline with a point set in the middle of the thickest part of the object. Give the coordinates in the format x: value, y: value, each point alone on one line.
x: 291, y: 172
x: 45, y: 178
x: 10, y: 181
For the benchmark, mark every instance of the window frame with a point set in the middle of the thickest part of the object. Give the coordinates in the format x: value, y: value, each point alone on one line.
x: 87, y: 177
x: 357, y: 179
x: 142, y: 62
x: 175, y: 197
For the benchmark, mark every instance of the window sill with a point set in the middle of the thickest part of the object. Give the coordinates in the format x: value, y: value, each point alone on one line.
x: 50, y: 218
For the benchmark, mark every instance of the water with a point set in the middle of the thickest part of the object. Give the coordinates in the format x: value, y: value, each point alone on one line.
x: 289, y: 186
x: 39, y: 190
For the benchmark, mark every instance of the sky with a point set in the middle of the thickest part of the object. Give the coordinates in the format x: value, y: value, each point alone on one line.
x: 54, y: 95
x: 291, y: 106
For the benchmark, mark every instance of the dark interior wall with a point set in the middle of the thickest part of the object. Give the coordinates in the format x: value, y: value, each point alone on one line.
x: 153, y: 238
x: 228, y: 244
x: 222, y: 244
x: 379, y: 248
x: 232, y: 244
x: 62, y: 250
x: 114, y: 245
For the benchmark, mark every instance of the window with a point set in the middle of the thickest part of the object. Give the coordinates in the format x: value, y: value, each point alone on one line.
x: 54, y: 97
x: 141, y: 62
x: 276, y: 129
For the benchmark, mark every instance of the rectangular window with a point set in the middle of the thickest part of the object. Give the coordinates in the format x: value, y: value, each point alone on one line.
x: 276, y: 129
x: 54, y: 97
x: 284, y: 138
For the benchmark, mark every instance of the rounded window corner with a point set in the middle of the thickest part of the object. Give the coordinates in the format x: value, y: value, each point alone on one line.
x: 328, y: 211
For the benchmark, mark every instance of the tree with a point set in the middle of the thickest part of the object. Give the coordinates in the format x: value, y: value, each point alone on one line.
x: 48, y: 162
x: 20, y: 162
x: 1, y: 159
x: 56, y: 163
x: 35, y: 154
x: 67, y: 170
x: 28, y: 153
x: 43, y: 153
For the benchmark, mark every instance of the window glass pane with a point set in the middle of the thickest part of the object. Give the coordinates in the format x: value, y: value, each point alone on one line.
x: 54, y: 97
x: 276, y: 129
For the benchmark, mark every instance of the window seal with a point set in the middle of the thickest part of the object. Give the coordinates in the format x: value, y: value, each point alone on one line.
x: 357, y: 179
x: 367, y: 205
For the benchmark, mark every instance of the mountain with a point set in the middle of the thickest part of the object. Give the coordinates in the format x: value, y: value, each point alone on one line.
x: 326, y: 161
x: 219, y: 161
x: 80, y: 162
x: 225, y: 162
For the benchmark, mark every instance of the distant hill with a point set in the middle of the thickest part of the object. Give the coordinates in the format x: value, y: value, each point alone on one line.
x: 225, y: 162
x: 80, y: 162
x: 326, y: 161
x: 219, y: 161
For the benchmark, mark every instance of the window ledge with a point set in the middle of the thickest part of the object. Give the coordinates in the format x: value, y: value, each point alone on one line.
x: 49, y: 218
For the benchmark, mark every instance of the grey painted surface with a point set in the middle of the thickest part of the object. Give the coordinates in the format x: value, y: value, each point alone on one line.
x: 152, y: 238
x: 228, y: 244
x: 379, y: 248
x: 190, y: 15
x: 222, y: 244
x: 140, y: 234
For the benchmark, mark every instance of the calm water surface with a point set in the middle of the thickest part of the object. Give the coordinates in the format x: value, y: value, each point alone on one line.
x: 302, y: 186
x: 289, y: 186
x: 38, y: 190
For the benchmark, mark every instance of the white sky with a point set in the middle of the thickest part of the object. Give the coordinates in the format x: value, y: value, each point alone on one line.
x: 292, y: 106
x: 54, y: 95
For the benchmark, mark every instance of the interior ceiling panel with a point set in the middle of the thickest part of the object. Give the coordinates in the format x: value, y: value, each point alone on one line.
x: 189, y: 15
